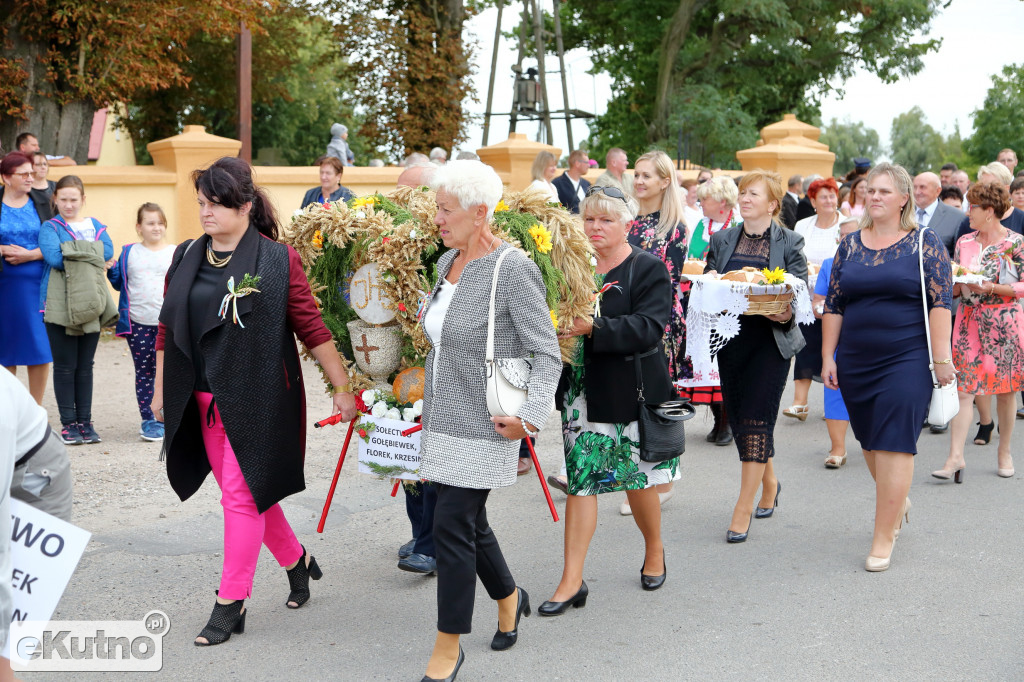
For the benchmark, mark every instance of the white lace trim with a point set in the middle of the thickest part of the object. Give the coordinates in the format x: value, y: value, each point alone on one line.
x: 714, y: 310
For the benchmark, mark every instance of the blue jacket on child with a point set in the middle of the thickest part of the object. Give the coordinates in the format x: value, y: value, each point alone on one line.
x: 118, y: 276
x: 51, y: 234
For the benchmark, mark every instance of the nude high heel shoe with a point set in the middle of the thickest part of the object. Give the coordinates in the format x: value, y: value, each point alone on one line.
x: 904, y: 516
x: 876, y: 564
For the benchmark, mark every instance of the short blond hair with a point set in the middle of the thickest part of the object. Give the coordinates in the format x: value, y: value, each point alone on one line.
x: 772, y: 181
x: 722, y: 188
x: 598, y: 203
x: 998, y: 170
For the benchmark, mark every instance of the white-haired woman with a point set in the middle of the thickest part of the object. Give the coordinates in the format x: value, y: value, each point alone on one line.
x: 544, y: 168
x: 465, y: 451
x: 660, y: 229
x: 597, y: 396
x: 874, y: 346
x: 718, y: 197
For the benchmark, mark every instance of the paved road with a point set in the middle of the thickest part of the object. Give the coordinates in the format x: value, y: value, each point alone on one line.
x: 793, y: 602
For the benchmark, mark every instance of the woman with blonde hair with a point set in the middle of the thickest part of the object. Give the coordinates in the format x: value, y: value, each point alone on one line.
x: 660, y: 229
x: 718, y: 197
x: 754, y: 363
x: 875, y: 344
x: 544, y: 168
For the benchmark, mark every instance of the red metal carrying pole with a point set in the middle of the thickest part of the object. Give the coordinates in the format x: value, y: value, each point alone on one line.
x: 543, y: 483
x: 337, y: 472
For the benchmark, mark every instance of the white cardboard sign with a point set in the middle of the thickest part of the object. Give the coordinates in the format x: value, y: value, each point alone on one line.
x: 45, y: 552
x: 385, y: 452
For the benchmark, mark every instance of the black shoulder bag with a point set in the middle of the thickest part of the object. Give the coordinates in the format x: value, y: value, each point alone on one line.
x: 662, y: 434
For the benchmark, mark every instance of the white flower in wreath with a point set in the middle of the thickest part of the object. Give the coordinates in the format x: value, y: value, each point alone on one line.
x: 360, y: 214
x: 393, y: 413
x: 379, y: 409
x: 413, y: 234
x: 369, y: 397
x: 418, y: 407
x: 409, y: 414
x: 727, y: 326
x: 297, y: 213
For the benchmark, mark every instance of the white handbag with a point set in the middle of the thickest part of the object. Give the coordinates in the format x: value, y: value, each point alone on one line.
x: 945, y: 402
x: 507, y: 378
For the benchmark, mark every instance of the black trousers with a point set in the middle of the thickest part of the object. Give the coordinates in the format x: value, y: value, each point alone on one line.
x: 72, y: 373
x: 419, y: 506
x: 466, y: 548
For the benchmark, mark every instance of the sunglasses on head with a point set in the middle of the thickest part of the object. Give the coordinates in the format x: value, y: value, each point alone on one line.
x: 613, y: 192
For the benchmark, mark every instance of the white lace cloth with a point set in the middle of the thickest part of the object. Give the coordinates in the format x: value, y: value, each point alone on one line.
x: 714, y: 313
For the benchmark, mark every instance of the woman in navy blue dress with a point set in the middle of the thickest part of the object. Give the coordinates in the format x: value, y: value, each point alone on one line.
x: 874, y: 325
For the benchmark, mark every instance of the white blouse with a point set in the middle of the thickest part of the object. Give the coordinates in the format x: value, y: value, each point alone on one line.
x: 433, y: 322
x: 819, y: 243
x: 545, y: 186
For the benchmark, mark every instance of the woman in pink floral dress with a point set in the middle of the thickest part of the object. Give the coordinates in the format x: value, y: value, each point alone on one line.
x: 988, y: 337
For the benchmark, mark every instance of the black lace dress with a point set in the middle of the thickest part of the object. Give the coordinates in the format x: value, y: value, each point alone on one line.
x: 753, y: 370
x: 882, y: 356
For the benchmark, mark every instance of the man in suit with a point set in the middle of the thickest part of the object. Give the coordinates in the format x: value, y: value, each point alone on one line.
x: 943, y: 219
x: 804, y: 208
x: 570, y: 185
x: 790, y: 201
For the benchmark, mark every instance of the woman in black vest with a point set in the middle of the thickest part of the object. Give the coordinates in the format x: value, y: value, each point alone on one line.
x: 229, y: 383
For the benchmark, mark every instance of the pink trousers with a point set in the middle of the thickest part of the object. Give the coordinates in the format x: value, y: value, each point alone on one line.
x: 244, y: 528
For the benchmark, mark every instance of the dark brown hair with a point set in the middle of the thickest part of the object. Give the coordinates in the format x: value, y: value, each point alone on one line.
x: 228, y: 182
x: 990, y: 195
x: 69, y: 181
x: 332, y: 161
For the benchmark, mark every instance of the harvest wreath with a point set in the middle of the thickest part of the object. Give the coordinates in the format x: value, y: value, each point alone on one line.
x: 370, y: 261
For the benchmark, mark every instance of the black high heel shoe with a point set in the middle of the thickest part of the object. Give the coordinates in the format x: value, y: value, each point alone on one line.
x: 505, y: 640
x: 226, y: 620
x: 762, y: 513
x: 298, y: 580
x: 450, y: 678
x: 653, y: 582
x: 557, y: 608
x: 732, y: 537
x: 984, y: 436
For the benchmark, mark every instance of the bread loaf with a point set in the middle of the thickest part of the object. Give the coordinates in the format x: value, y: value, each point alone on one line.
x: 692, y: 266
x: 750, y: 275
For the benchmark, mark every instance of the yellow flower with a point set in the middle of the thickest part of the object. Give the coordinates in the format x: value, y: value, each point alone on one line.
x: 318, y: 239
x: 554, y: 318
x: 776, y: 276
x: 363, y: 202
x: 541, y: 237
x: 502, y: 206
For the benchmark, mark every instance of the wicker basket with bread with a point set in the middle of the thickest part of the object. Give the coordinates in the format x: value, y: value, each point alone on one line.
x: 762, y: 304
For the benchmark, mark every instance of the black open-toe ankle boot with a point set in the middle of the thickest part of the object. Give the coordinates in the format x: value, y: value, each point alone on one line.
x: 298, y: 580
x: 226, y: 620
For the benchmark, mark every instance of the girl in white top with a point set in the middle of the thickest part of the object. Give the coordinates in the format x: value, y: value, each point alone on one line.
x: 139, y: 276
x: 545, y: 165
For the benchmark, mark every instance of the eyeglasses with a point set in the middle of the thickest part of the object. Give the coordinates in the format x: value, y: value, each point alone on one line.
x: 613, y: 192
x: 23, y: 176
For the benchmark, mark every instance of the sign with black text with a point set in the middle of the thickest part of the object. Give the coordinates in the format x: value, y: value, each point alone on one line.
x: 383, y: 450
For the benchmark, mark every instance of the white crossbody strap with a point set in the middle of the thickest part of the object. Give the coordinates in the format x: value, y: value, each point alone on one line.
x: 924, y: 303
x: 490, y: 311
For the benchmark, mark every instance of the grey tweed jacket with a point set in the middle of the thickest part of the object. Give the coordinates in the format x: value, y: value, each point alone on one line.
x: 459, y: 445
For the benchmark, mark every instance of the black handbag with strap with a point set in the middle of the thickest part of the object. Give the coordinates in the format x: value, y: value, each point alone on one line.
x: 662, y: 432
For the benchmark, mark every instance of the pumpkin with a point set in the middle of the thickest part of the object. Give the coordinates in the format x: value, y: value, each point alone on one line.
x: 692, y: 266
x: 408, y: 386
x: 751, y: 275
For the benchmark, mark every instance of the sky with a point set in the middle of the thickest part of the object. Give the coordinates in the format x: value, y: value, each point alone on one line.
x: 979, y: 37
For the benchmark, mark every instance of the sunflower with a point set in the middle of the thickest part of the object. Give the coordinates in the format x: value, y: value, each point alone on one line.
x: 363, y: 202
x: 541, y: 237
x: 554, y: 318
x: 776, y: 276
x: 502, y: 206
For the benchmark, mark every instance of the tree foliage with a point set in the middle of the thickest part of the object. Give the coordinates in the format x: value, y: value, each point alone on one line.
x: 848, y: 140
x: 777, y: 56
x: 997, y: 124
x: 915, y: 144
x: 410, y: 68
x: 298, y: 89
x: 60, y: 60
